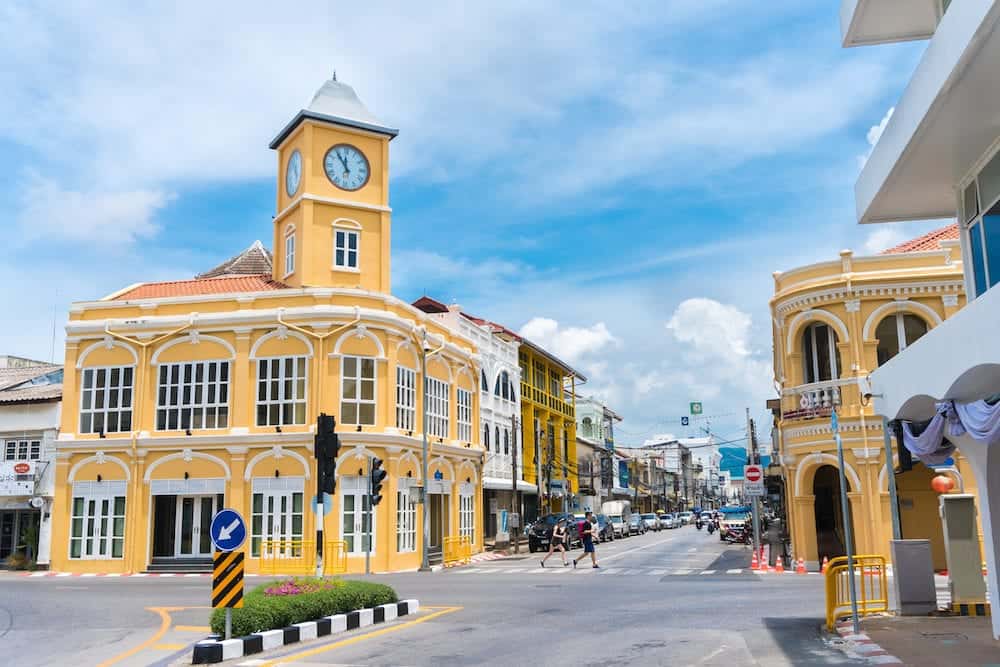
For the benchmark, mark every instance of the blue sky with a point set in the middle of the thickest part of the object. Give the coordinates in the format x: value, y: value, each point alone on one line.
x: 617, y: 184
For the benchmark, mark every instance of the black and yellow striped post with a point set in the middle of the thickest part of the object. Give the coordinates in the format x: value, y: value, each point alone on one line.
x: 227, y: 584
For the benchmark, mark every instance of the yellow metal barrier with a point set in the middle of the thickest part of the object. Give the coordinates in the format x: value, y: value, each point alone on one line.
x: 871, y: 587
x: 288, y: 557
x: 457, y: 550
x: 335, y: 557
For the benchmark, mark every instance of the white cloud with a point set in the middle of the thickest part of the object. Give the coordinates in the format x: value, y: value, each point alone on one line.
x: 874, y: 134
x: 54, y: 214
x: 882, y: 238
x: 568, y: 343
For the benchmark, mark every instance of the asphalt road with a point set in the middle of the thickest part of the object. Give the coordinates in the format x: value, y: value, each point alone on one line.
x: 677, y: 597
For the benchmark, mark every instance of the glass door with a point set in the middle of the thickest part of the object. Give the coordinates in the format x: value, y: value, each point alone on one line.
x: 193, y: 537
x: 356, y: 523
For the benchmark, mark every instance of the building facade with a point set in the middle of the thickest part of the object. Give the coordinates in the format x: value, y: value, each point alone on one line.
x: 30, y: 393
x: 595, y: 446
x: 184, y: 397
x: 834, y: 323
x: 548, y: 429
x: 504, y: 487
x: 939, y: 157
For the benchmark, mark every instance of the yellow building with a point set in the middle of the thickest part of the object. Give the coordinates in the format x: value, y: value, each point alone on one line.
x: 833, y: 323
x: 548, y: 426
x: 184, y: 397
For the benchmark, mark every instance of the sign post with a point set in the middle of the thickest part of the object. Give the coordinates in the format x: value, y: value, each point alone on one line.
x: 845, y: 510
x: 229, y: 533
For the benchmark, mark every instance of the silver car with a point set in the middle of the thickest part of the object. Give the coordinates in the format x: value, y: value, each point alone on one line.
x: 651, y: 521
x: 669, y: 521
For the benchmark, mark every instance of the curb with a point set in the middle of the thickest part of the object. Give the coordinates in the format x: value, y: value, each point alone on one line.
x: 970, y: 609
x: 861, y: 646
x: 211, y: 651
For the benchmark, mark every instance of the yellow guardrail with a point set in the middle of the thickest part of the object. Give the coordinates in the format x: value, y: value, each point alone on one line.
x: 871, y: 587
x: 335, y: 557
x: 457, y: 549
x: 288, y: 557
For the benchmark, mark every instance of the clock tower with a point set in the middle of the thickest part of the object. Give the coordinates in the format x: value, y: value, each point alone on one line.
x: 333, y: 221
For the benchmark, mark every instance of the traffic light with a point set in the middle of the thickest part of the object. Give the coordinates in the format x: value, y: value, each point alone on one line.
x: 377, y: 477
x: 326, y: 449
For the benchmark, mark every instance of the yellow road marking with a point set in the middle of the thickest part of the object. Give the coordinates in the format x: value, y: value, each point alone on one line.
x: 192, y: 628
x: 169, y: 647
x: 164, y: 614
x: 354, y: 640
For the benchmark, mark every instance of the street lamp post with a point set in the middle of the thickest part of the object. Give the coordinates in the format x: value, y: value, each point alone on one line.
x: 425, y: 565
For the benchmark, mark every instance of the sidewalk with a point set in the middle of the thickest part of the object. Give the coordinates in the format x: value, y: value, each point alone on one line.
x: 923, y: 640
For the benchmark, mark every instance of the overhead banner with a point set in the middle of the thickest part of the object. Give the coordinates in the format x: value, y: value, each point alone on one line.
x: 17, y: 478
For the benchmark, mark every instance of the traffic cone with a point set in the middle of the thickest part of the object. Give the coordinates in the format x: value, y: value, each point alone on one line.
x: 826, y: 561
x: 800, y: 566
x: 779, y: 567
x: 754, y: 563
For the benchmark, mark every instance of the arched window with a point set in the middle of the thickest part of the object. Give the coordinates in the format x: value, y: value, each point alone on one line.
x: 496, y: 441
x: 486, y: 437
x: 895, y: 332
x: 506, y: 441
x: 820, y: 356
x: 503, y: 387
x: 486, y: 383
x: 588, y: 427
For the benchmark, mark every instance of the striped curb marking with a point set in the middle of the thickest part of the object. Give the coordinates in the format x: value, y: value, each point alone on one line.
x: 212, y: 651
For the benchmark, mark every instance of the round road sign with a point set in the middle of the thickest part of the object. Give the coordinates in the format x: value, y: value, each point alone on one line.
x: 753, y: 473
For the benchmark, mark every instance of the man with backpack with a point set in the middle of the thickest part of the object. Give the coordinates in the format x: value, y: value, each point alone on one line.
x: 585, y: 528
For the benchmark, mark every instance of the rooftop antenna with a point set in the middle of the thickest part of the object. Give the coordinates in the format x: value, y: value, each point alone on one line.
x: 334, y: 75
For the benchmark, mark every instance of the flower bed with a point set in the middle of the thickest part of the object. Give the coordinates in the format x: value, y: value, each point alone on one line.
x: 281, y: 603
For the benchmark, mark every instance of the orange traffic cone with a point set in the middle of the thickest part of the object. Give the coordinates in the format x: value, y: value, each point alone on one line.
x: 779, y: 567
x: 800, y: 566
x: 826, y: 562
x: 754, y: 563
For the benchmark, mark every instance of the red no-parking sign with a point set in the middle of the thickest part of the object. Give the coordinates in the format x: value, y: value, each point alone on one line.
x: 753, y: 480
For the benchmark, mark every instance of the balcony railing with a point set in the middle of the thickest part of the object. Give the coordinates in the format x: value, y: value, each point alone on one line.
x: 817, y: 399
x: 528, y: 392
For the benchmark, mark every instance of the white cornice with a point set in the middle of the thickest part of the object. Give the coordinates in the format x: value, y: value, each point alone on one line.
x: 346, y: 203
x: 874, y: 290
x: 824, y: 428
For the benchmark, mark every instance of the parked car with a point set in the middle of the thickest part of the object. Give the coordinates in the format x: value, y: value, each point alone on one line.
x: 605, y: 529
x: 540, y: 532
x: 636, y: 526
x: 618, y: 525
x: 686, y: 517
x: 669, y: 520
x: 651, y: 521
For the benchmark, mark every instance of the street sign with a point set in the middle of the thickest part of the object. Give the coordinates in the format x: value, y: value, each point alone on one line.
x: 327, y: 504
x: 696, y: 407
x: 834, y: 422
x: 227, y: 579
x: 753, y: 480
x: 229, y: 530
x: 685, y: 421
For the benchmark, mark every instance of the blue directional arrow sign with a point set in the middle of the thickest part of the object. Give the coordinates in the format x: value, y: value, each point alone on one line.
x: 229, y: 530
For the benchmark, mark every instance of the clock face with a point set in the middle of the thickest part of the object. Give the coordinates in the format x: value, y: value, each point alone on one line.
x: 346, y: 167
x: 293, y: 173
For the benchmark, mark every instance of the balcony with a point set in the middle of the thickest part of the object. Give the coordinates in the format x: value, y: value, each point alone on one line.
x: 814, y: 400
x: 943, y: 123
x: 546, y: 400
x: 883, y: 21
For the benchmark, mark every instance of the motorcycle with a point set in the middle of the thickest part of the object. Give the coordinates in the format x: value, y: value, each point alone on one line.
x: 697, y: 524
x: 738, y: 536
x: 711, y: 527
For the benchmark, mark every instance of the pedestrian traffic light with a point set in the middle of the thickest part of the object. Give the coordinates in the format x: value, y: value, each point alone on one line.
x: 327, y: 446
x: 377, y: 477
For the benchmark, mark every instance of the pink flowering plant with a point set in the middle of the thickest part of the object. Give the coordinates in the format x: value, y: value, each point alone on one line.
x: 300, y: 585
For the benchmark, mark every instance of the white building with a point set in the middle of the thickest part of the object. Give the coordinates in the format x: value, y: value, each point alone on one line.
x: 30, y: 395
x: 705, y: 452
x: 499, y: 411
x: 939, y: 157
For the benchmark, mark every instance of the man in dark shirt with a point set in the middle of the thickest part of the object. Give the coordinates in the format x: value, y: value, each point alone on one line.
x: 586, y: 528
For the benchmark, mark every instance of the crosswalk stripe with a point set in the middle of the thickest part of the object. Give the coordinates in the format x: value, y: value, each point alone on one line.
x: 613, y: 570
x: 708, y: 571
x: 736, y: 571
x: 471, y: 571
x: 657, y: 573
x: 537, y: 570
x: 681, y: 572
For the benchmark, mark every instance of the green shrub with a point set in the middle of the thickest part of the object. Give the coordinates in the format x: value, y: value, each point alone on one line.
x: 323, y: 597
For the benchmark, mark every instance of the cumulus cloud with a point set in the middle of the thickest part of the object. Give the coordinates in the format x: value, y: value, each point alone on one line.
x: 568, y: 343
x: 882, y: 238
x: 874, y: 134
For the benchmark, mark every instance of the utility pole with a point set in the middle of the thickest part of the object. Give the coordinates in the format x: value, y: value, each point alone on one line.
x: 425, y: 565
x: 514, y: 506
x: 754, y: 502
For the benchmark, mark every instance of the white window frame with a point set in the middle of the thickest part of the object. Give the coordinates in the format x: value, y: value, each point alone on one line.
x: 358, y: 380
x: 119, y: 410
x: 814, y: 352
x: 463, y: 414
x: 22, y: 449
x: 467, y: 516
x: 358, y: 488
x: 438, y: 394
x: 406, y: 519
x: 289, y: 251
x: 341, y: 233
x: 406, y: 398
x: 171, y: 401
x: 259, y: 534
x: 98, y: 520
x: 281, y: 400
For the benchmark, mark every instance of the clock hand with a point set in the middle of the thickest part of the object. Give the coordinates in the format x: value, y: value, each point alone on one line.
x: 343, y: 161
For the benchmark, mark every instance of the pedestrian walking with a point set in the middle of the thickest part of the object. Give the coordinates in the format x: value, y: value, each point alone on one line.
x: 557, y: 542
x: 586, y: 529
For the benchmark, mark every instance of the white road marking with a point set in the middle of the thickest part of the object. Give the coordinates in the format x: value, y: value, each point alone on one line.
x: 681, y: 572
x: 65, y: 574
x: 472, y: 571
x: 708, y: 571
x: 657, y: 573
x: 537, y: 570
x: 89, y: 574
x: 612, y: 570
x: 736, y: 571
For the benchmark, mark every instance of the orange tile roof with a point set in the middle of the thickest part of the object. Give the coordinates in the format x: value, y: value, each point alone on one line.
x: 929, y: 241
x: 200, y: 286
